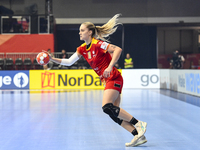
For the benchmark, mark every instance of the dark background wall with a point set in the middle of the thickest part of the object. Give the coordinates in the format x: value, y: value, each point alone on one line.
x: 129, y: 8
x: 141, y: 43
x: 107, y: 8
x: 184, y: 39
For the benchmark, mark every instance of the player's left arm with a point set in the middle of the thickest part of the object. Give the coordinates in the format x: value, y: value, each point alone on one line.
x: 116, y: 52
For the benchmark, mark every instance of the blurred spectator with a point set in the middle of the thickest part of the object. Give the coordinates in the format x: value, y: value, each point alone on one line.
x: 62, y: 56
x: 128, y: 62
x: 177, y: 60
x: 50, y: 64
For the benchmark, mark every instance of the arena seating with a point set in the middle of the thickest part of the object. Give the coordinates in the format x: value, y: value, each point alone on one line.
x: 27, y: 61
x: 1, y: 64
x: 27, y: 64
x: 36, y: 66
x: 18, y: 64
x: 9, y: 65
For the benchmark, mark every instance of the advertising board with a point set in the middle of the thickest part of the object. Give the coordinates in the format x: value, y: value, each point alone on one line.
x: 141, y: 78
x: 64, y: 79
x: 14, y: 80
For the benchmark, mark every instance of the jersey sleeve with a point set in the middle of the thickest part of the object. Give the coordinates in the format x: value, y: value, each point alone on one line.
x: 103, y: 46
x: 79, y: 50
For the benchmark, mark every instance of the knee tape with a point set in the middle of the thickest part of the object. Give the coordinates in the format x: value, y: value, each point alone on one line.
x: 110, y: 109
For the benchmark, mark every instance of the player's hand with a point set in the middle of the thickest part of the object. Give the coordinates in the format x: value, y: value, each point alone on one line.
x: 106, y: 72
x: 48, y: 54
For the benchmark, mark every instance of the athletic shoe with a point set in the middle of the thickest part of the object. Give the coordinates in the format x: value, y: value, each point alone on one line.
x: 141, y: 128
x: 136, y: 141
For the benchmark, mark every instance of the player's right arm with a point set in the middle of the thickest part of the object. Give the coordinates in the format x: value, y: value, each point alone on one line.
x: 67, y: 62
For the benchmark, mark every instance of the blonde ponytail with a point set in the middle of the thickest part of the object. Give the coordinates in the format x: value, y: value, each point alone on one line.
x: 102, y: 32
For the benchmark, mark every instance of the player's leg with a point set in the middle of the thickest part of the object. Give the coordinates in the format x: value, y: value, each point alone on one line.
x: 111, y: 97
x: 111, y: 94
x: 141, y: 126
x: 126, y: 125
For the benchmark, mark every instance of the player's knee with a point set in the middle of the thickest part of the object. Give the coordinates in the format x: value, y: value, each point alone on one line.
x: 110, y: 109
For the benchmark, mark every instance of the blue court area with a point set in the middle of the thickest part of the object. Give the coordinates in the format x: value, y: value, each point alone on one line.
x: 73, y: 120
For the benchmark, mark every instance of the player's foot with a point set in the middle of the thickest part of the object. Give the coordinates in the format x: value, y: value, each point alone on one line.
x: 141, y: 128
x: 137, y: 141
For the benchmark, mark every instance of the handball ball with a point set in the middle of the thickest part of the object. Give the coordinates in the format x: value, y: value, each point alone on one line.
x: 43, y: 58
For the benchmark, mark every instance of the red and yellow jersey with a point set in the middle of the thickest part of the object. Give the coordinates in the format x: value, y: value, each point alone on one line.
x: 98, y: 58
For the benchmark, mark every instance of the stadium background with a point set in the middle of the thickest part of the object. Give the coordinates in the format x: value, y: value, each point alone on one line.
x: 152, y: 30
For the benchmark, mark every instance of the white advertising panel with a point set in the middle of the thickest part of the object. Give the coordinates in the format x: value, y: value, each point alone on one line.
x: 189, y: 82
x: 173, y: 80
x: 141, y: 78
x: 165, y: 79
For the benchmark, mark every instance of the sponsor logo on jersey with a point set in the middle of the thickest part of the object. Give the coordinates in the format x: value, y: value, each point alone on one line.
x: 104, y: 45
x: 89, y: 55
